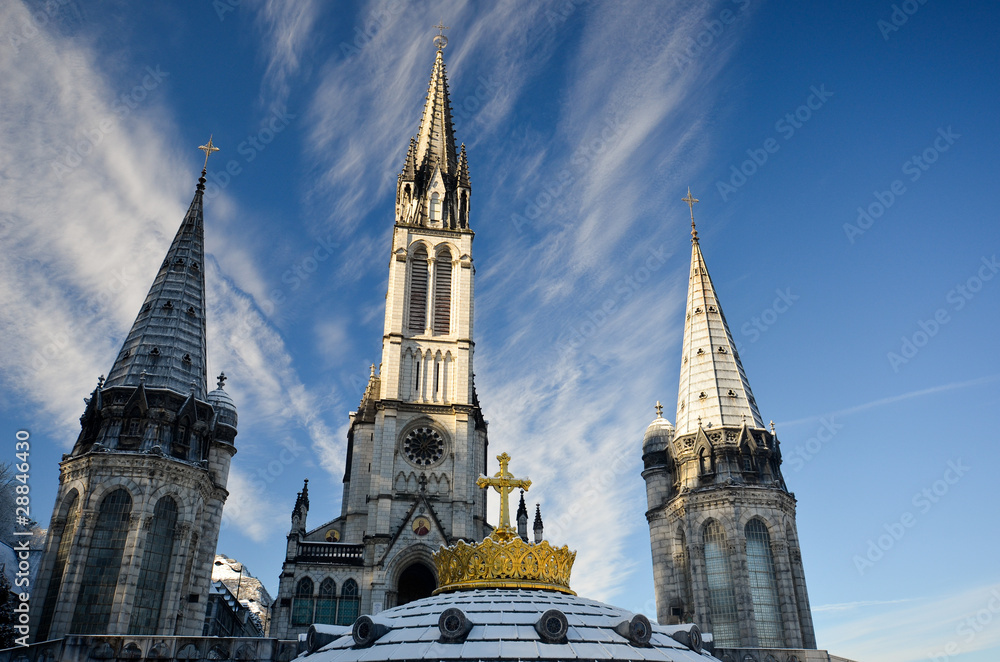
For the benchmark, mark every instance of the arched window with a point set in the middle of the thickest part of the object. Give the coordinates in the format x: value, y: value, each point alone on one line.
x: 350, y: 602
x: 182, y: 439
x: 155, y: 568
x: 104, y: 559
x: 442, y: 293
x: 763, y: 586
x: 72, y: 513
x: 463, y: 211
x: 435, y: 207
x: 721, y: 597
x: 326, y: 604
x: 303, y: 602
x: 418, y: 291
x: 704, y: 462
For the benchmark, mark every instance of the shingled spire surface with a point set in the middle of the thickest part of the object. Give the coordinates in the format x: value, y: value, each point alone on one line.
x: 713, y: 387
x: 435, y: 145
x: 166, y: 345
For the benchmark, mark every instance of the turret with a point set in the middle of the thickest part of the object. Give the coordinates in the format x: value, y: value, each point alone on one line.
x: 538, y: 528
x: 522, y: 519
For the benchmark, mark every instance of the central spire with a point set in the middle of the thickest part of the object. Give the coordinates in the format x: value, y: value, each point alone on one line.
x: 713, y: 388
x: 433, y: 188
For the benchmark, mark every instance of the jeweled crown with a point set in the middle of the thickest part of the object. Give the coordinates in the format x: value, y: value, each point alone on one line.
x: 503, y: 559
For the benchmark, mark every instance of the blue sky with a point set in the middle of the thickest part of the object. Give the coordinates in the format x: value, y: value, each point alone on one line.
x: 585, y: 123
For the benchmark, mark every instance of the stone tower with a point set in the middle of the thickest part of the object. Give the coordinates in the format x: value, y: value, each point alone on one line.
x: 721, y: 521
x: 132, y: 539
x: 417, y: 443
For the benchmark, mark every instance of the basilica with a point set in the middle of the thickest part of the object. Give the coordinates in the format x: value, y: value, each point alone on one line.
x: 410, y: 568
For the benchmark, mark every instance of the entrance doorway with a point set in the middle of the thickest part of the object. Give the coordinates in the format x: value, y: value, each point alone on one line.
x: 416, y: 582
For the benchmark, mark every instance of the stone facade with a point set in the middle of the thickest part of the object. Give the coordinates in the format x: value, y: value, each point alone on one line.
x: 721, y: 521
x: 137, y: 514
x: 417, y: 443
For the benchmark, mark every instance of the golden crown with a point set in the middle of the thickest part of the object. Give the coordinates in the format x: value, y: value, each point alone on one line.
x: 503, y: 559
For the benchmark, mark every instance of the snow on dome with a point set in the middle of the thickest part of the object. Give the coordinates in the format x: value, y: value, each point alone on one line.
x: 224, y: 406
x: 507, y: 624
x: 659, y: 433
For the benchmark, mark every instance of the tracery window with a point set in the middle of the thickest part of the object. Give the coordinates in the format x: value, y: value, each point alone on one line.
x: 303, y: 603
x: 350, y: 601
x: 721, y: 596
x: 435, y: 207
x: 104, y: 559
x: 155, y: 568
x: 763, y: 585
x: 326, y: 604
x: 418, y: 291
x: 59, y: 567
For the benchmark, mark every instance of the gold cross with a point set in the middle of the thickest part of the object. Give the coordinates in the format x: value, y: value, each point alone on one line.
x: 504, y: 483
x: 208, y: 148
x: 441, y: 27
x: 690, y: 199
x: 659, y: 409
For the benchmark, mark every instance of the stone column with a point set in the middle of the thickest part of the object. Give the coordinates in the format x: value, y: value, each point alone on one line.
x: 128, y: 575
x: 786, y: 595
x: 802, y: 598
x: 75, y: 564
x: 741, y: 586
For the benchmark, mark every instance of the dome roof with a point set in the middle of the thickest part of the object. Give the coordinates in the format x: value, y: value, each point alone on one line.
x: 506, y: 624
x: 658, y: 435
x: 225, y: 408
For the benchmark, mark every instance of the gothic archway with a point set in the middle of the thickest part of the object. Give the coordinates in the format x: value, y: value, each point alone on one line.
x: 415, y: 582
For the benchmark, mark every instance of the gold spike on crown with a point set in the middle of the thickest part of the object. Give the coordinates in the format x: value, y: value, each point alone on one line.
x: 503, y: 560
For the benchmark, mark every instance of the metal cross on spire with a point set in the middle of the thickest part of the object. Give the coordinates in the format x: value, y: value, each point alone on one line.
x: 690, y: 199
x: 503, y: 482
x: 659, y: 409
x: 208, y: 148
x: 440, y: 40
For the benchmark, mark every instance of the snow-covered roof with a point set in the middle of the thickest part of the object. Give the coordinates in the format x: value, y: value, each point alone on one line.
x: 503, y: 627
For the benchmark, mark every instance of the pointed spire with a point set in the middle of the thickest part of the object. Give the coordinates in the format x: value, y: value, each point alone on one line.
x: 463, y: 169
x: 522, y: 519
x: 435, y: 142
x: 167, y: 339
x: 713, y: 388
x: 537, y: 527
x: 302, y: 500
x: 410, y: 166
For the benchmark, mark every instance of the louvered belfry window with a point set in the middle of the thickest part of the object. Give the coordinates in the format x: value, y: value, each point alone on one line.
x: 418, y: 291
x: 442, y: 293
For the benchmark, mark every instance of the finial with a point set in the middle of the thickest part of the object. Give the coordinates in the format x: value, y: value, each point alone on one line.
x: 772, y: 428
x: 142, y: 377
x: 659, y: 409
x: 372, y: 372
x: 503, y: 482
x: 691, y: 200
x: 208, y: 148
x: 222, y: 379
x: 440, y: 40
x: 100, y: 381
x: 699, y: 421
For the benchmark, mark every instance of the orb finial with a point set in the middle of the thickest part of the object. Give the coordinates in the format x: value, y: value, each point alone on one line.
x: 440, y: 40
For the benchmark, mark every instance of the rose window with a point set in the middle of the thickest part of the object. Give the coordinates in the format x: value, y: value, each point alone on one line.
x: 423, y: 446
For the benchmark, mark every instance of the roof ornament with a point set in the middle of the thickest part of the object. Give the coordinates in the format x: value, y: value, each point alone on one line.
x: 371, y: 373
x: 503, y: 559
x: 100, y: 381
x: 659, y: 409
x: 772, y: 428
x: 440, y: 40
x: 690, y: 199
x: 208, y: 148
x: 142, y: 377
x: 222, y: 379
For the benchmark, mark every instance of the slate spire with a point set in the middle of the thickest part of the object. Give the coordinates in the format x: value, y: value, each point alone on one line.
x: 167, y: 339
x: 435, y: 142
x: 713, y: 389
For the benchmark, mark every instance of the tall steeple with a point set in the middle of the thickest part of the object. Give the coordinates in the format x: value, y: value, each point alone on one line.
x: 721, y: 520
x: 433, y: 188
x: 166, y: 346
x: 714, y: 390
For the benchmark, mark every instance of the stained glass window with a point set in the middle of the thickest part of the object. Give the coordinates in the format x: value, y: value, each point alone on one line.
x: 59, y: 567
x: 721, y: 597
x: 303, y: 602
x: 763, y: 585
x: 155, y: 566
x: 326, y: 604
x: 104, y: 559
x: 349, y: 603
